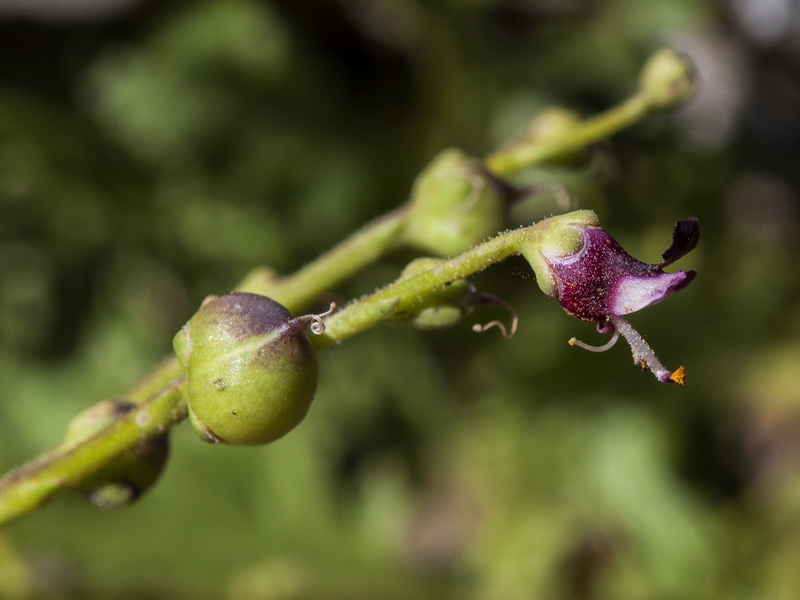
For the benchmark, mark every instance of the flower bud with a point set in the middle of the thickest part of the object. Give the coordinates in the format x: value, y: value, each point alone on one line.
x: 551, y: 125
x: 127, y: 478
x: 251, y: 372
x: 448, y: 305
x: 443, y: 308
x: 455, y: 204
x: 667, y: 80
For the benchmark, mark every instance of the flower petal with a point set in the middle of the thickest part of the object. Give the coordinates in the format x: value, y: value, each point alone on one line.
x: 684, y: 239
x: 633, y: 293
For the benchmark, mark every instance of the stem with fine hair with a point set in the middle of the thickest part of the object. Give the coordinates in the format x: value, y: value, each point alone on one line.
x: 159, y: 399
x: 32, y: 484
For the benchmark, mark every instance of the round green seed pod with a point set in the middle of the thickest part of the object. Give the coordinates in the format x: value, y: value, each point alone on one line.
x: 251, y: 372
x: 127, y: 478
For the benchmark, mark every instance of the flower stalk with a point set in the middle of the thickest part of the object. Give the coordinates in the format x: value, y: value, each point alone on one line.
x: 159, y: 400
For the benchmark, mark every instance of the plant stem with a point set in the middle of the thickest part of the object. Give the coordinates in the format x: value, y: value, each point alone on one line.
x: 405, y: 293
x: 28, y: 487
x: 159, y: 396
x: 359, y: 250
x: 516, y: 157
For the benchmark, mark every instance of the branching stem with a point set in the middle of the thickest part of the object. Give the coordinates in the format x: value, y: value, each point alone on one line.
x: 159, y: 396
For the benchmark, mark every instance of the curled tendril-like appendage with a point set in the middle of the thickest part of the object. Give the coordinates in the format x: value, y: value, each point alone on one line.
x: 317, y: 325
x: 483, y: 298
x: 451, y: 303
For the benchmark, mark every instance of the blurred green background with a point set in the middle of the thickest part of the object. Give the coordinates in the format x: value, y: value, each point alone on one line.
x: 152, y: 153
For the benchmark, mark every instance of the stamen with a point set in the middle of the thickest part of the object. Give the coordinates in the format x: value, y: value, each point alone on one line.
x: 477, y: 298
x: 607, y: 346
x: 506, y: 333
x: 643, y: 354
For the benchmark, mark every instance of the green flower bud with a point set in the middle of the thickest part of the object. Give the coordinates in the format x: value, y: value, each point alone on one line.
x: 127, y: 478
x: 251, y: 371
x: 552, y: 123
x: 455, y: 204
x: 443, y: 308
x: 667, y: 80
x: 448, y: 305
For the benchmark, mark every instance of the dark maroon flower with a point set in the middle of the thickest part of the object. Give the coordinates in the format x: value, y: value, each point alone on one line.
x: 595, y: 279
x: 603, y: 280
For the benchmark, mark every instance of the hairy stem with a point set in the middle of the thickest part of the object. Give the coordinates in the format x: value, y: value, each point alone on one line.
x: 361, y: 249
x: 28, y: 487
x: 520, y: 156
x: 159, y: 397
x: 405, y: 293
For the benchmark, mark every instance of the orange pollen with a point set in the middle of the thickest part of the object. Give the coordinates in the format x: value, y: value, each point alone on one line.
x: 679, y: 376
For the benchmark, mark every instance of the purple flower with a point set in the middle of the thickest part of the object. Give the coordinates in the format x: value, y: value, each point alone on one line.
x: 595, y: 279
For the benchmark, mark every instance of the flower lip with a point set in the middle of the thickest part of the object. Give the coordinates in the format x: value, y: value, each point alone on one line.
x: 632, y: 294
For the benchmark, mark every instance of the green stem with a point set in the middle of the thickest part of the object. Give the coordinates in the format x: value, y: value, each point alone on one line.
x: 362, y: 248
x: 159, y: 397
x: 30, y: 486
x: 405, y: 293
x: 516, y: 157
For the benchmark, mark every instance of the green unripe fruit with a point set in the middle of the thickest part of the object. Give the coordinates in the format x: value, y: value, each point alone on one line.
x: 455, y: 204
x: 251, y: 372
x: 128, y: 477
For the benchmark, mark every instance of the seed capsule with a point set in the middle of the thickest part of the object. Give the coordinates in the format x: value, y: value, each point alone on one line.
x: 251, y: 371
x: 128, y: 477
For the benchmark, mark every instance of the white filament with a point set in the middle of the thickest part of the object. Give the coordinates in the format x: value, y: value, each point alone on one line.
x: 607, y: 346
x: 506, y: 333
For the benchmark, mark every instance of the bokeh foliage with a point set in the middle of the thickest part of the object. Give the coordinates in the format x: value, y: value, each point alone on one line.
x: 151, y: 161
